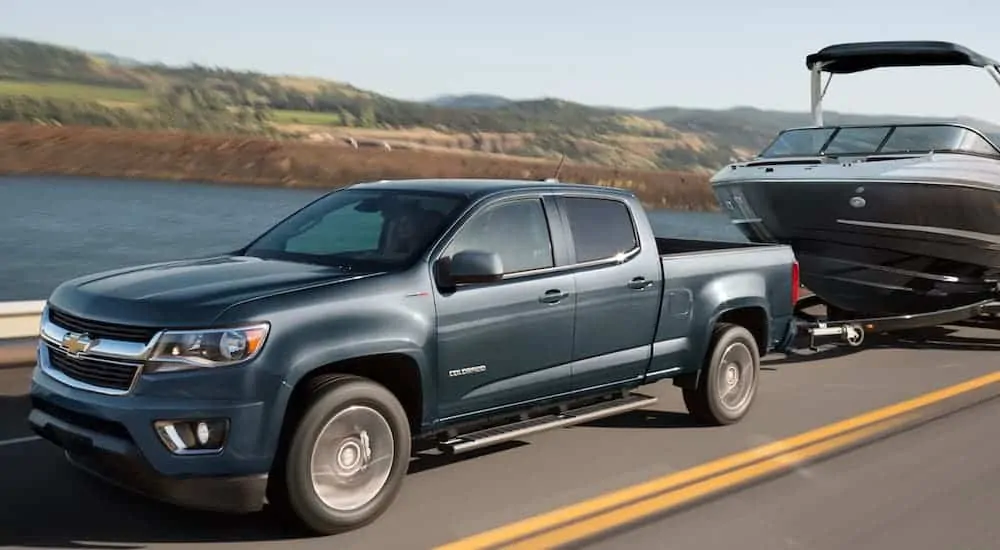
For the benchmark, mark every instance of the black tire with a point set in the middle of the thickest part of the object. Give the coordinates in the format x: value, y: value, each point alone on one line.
x: 705, y: 402
x: 293, y: 494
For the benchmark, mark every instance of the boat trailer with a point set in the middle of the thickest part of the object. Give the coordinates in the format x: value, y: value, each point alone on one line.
x: 853, y: 331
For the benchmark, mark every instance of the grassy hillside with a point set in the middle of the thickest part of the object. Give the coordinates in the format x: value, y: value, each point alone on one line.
x: 43, y: 83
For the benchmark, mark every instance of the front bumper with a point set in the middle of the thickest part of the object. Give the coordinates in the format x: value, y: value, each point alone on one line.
x: 114, y: 438
x: 128, y: 470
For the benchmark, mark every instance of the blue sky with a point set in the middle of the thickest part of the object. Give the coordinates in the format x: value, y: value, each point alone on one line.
x: 631, y: 53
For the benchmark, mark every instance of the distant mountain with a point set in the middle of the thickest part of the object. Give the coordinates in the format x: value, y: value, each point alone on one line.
x: 470, y: 101
x: 44, y: 82
x: 117, y: 60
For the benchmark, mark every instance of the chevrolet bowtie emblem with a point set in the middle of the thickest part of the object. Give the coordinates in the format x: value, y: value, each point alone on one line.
x: 77, y: 343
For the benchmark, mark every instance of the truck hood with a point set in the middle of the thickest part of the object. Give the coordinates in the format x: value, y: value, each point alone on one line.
x: 186, y: 293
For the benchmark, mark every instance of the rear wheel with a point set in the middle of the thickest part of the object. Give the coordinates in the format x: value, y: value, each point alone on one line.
x: 728, y: 382
x: 347, y: 458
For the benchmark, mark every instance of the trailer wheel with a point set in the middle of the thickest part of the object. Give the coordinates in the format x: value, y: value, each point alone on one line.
x: 854, y: 335
x: 729, y: 378
x: 347, y: 458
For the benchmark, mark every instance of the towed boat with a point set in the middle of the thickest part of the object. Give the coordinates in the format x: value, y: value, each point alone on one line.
x: 885, y: 219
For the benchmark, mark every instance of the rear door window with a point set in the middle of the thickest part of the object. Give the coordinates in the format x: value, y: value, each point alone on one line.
x: 601, y: 228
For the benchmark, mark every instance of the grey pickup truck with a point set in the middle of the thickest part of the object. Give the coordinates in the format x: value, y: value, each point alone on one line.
x: 391, y: 318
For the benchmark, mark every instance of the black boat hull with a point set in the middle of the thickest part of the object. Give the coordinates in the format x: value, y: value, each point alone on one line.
x: 878, y: 247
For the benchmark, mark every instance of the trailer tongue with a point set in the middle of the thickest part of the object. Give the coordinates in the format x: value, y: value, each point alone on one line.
x: 853, y: 331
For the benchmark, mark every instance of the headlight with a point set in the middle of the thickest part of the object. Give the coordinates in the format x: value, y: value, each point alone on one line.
x: 193, y: 349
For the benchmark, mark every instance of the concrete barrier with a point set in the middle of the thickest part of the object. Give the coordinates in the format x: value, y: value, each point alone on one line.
x: 19, y: 332
x: 20, y: 319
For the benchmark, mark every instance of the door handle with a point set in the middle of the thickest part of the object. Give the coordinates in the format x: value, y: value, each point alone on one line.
x: 640, y: 283
x: 553, y: 296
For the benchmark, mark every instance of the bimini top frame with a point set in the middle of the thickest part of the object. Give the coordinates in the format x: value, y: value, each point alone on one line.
x: 855, y: 57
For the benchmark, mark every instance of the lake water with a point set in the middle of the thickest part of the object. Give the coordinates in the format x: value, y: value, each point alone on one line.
x: 56, y: 228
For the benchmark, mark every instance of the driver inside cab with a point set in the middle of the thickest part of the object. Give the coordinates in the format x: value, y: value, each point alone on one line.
x: 408, y: 227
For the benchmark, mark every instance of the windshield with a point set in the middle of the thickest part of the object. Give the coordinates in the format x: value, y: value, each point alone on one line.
x: 878, y: 139
x: 361, y: 229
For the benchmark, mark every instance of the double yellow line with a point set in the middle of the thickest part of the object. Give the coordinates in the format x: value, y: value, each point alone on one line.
x: 588, y: 518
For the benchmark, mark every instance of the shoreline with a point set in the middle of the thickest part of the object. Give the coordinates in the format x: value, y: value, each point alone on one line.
x: 74, y: 151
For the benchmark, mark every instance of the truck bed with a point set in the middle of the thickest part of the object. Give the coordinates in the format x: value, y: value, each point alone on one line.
x: 701, y: 275
x: 668, y: 247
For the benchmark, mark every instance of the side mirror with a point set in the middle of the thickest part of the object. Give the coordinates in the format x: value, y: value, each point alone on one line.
x: 475, y: 266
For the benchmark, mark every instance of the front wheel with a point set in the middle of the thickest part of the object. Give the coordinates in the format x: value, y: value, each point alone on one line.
x: 728, y: 382
x: 347, y: 459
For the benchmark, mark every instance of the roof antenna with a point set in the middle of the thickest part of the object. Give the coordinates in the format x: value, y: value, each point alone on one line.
x: 555, y: 177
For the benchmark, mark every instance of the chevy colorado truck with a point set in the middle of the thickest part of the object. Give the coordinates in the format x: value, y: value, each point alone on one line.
x: 389, y: 318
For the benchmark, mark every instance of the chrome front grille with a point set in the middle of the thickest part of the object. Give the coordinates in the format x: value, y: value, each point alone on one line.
x: 93, y: 355
x: 94, y: 371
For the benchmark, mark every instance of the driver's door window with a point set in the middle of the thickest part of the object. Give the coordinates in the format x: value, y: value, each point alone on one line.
x: 517, y: 231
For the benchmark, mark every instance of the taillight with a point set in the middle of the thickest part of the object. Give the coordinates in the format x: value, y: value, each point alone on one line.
x: 795, y: 282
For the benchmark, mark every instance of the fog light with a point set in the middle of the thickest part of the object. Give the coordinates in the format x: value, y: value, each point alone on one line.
x: 203, y: 433
x: 193, y: 436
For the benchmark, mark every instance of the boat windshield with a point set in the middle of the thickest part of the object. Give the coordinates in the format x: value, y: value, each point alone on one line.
x: 879, y: 140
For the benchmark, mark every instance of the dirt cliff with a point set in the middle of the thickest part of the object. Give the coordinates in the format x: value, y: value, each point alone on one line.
x: 27, y: 149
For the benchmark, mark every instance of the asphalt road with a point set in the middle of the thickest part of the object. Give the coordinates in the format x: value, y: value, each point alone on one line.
x: 934, y: 487
x: 866, y: 497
